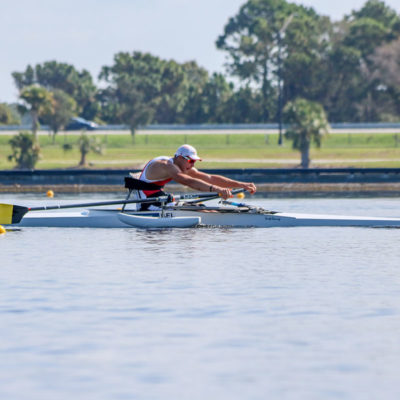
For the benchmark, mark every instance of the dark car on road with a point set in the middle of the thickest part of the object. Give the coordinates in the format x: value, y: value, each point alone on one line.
x: 78, y: 123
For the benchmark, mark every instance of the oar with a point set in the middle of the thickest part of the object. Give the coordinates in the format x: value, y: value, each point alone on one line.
x: 250, y: 207
x: 212, y: 196
x: 12, y: 214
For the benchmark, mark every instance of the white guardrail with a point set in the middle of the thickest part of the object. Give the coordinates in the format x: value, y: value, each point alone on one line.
x: 196, y: 129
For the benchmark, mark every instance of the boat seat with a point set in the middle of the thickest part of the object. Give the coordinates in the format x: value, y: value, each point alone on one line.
x: 136, y: 184
x: 134, y: 187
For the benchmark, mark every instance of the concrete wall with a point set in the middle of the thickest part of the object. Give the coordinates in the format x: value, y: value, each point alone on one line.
x: 284, y: 175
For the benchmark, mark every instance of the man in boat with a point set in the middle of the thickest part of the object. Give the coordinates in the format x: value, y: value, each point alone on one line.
x: 181, y: 169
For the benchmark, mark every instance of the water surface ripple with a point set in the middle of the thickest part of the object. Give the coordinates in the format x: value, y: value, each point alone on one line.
x: 280, y: 313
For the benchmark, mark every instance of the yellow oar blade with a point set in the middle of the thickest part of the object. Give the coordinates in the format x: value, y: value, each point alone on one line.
x: 11, y: 214
x: 6, y: 212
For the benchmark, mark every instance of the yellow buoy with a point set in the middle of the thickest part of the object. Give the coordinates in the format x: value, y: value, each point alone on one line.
x: 240, y: 195
x: 50, y: 193
x: 2, y: 230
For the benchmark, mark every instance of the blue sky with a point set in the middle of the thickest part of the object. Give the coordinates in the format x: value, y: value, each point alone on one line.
x: 87, y: 33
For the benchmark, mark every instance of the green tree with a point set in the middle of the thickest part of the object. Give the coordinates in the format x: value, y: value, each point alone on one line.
x: 207, y: 98
x: 173, y: 92
x: 7, y: 115
x: 365, y: 35
x: 25, y: 150
x: 259, y: 39
x: 62, y: 110
x: 386, y: 69
x: 379, y: 12
x: 23, y: 79
x: 54, y: 75
x: 217, y: 93
x: 373, y: 27
x: 86, y: 145
x: 244, y: 106
x: 134, y: 88
x: 305, y: 49
x: 196, y: 79
x: 37, y: 101
x: 353, y: 90
x: 307, y: 123
x: 343, y: 83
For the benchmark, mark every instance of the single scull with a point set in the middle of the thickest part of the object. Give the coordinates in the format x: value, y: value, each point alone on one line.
x: 184, y: 212
x: 192, y: 216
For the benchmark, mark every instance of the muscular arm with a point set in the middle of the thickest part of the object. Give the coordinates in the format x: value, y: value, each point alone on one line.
x: 203, y: 182
x: 221, y: 181
x: 187, y: 179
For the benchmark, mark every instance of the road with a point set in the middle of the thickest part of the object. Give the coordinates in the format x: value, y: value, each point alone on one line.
x: 371, y: 131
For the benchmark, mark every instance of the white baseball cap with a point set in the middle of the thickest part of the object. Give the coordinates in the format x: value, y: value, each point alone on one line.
x: 188, y: 151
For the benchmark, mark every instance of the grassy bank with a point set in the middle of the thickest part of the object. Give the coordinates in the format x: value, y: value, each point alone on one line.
x: 219, y: 151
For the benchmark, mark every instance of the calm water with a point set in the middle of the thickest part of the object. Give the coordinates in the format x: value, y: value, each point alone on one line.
x: 280, y: 313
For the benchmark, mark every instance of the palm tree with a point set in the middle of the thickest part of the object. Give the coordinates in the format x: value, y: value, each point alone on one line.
x: 37, y: 100
x: 307, y: 123
x: 26, y: 150
x: 87, y: 144
x: 64, y: 108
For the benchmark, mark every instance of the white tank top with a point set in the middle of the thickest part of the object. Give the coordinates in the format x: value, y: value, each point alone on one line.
x: 143, y: 174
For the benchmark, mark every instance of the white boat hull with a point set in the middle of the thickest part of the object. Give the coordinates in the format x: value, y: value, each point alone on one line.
x: 104, y: 218
x: 147, y: 222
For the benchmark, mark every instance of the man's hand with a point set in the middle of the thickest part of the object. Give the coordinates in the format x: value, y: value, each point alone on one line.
x: 225, y: 193
x: 250, y: 187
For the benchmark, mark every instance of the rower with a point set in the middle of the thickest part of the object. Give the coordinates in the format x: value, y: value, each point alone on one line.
x: 181, y: 168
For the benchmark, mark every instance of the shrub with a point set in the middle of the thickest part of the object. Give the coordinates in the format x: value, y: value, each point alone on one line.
x: 26, y: 150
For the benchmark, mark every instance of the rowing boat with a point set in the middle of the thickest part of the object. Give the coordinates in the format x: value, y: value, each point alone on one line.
x: 194, y: 216
x: 182, y: 211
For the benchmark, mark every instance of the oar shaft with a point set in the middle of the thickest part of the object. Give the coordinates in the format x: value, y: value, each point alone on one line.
x: 212, y: 196
x: 100, y: 203
x: 135, y: 201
